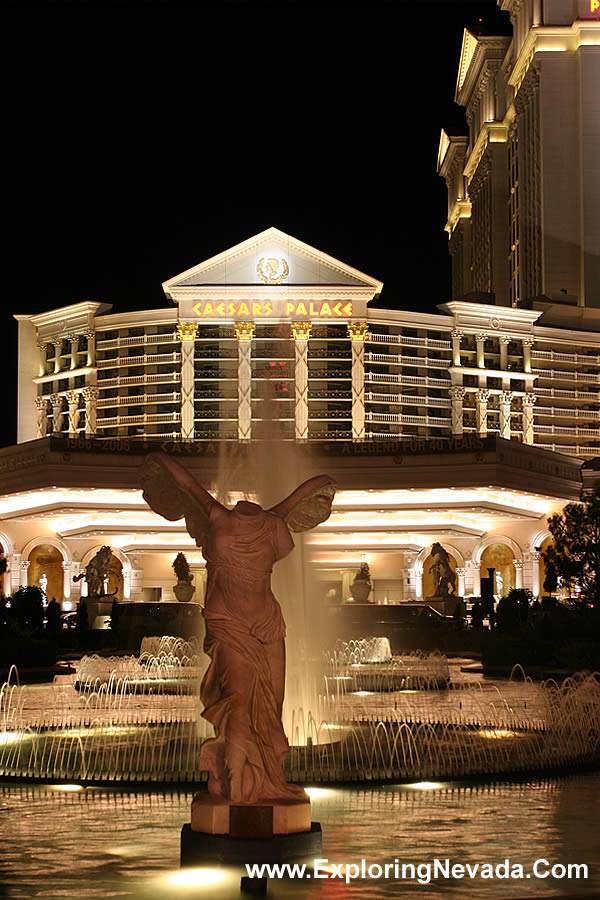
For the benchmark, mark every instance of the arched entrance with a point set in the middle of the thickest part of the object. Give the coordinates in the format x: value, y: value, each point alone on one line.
x: 46, y: 571
x: 501, y: 558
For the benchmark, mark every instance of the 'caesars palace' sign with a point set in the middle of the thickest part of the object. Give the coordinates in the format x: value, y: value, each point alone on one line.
x: 317, y: 308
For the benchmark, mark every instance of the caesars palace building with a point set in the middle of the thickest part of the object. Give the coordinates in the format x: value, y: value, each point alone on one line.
x: 467, y: 427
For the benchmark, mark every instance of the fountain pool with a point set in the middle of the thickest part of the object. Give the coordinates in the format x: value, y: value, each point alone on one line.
x: 99, y: 842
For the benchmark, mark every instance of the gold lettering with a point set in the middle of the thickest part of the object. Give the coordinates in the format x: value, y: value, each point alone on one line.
x: 268, y: 309
x: 301, y: 310
x: 243, y: 309
x: 221, y: 309
x: 348, y: 309
x: 208, y: 309
x: 257, y: 309
x: 231, y: 309
x: 337, y: 309
x: 594, y: 6
x: 289, y: 309
x: 197, y: 309
x: 311, y: 307
x: 325, y: 309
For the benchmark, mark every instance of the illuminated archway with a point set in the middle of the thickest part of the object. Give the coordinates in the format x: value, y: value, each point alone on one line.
x: 120, y: 571
x: 46, y: 570
x: 499, y: 557
x: 424, y: 580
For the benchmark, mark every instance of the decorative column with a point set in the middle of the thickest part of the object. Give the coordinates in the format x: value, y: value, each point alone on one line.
x: 23, y: 566
x: 13, y: 570
x: 527, y: 345
x: 476, y: 570
x: 41, y: 416
x: 504, y: 342
x: 505, y: 401
x: 480, y: 338
x: 528, y: 404
x: 458, y: 395
x: 66, y: 580
x: 90, y: 395
x: 73, y: 401
x: 469, y: 576
x: 75, y: 586
x: 57, y: 359
x: 245, y: 333
x: 531, y: 572
x: 518, y: 564
x: 42, y: 346
x: 91, y: 348
x: 57, y: 413
x: 419, y: 582
x: 74, y: 339
x: 357, y: 332
x: 347, y: 579
x: 456, y: 336
x: 481, y: 400
x: 301, y: 332
x: 461, y: 572
x: 186, y: 332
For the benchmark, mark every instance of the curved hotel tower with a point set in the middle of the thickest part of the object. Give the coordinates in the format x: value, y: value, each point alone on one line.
x: 468, y: 426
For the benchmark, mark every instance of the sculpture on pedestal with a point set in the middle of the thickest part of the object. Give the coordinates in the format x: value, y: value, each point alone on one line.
x: 97, y: 573
x: 243, y: 688
x: 443, y: 575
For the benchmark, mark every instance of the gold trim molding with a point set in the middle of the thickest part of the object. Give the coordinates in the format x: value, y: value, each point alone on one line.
x: 187, y: 331
x: 358, y: 331
x: 244, y: 330
x: 301, y: 330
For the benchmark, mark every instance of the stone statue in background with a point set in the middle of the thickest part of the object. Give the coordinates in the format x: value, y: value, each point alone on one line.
x: 243, y: 688
x: 443, y: 576
x: 97, y: 573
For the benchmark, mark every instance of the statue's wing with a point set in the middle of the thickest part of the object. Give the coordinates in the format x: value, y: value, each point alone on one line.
x: 308, y: 505
x: 165, y: 496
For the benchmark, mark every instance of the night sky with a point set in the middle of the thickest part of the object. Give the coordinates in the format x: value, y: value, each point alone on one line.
x: 141, y: 138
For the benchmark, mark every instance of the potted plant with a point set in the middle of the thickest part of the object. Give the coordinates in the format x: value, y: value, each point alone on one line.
x: 184, y: 589
x: 361, y: 587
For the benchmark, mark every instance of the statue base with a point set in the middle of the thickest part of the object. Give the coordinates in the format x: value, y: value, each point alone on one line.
x: 244, y: 833
x: 216, y: 815
x: 444, y: 604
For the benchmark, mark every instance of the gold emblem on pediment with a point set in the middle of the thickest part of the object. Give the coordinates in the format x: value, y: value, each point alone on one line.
x: 271, y: 270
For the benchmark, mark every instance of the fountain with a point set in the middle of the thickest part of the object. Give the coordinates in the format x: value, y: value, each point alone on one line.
x: 117, y: 731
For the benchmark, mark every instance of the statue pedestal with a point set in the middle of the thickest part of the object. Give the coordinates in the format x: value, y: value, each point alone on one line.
x: 444, y: 604
x: 245, y: 833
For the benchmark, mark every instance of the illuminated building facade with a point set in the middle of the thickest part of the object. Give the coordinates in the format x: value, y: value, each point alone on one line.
x: 466, y: 426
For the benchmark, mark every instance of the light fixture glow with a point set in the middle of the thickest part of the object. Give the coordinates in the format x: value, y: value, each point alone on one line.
x: 196, y: 877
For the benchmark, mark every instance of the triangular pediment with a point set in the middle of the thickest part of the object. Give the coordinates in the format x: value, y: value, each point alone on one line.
x: 271, y: 259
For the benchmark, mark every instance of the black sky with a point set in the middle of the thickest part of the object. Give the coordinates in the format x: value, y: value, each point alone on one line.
x: 141, y: 138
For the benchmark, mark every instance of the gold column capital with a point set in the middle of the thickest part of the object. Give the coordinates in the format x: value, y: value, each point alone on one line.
x: 301, y: 330
x: 244, y: 330
x: 358, y: 331
x: 187, y: 331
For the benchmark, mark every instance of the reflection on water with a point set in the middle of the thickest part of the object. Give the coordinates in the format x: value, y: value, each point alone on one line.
x: 100, y: 843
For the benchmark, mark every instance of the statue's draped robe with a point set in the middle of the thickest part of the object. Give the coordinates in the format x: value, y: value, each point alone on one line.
x: 242, y: 696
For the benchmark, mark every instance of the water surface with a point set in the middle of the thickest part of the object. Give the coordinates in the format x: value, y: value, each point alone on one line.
x: 110, y: 843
